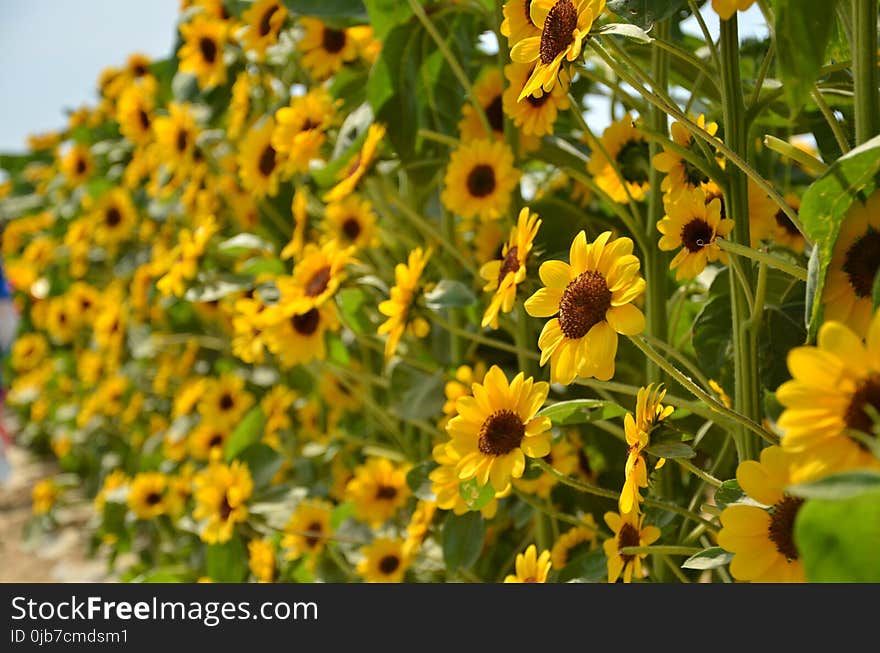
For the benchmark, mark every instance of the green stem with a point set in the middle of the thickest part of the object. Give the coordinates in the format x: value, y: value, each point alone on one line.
x: 833, y: 123
x: 864, y: 49
x: 766, y: 258
x: 699, y: 473
x: 662, y: 549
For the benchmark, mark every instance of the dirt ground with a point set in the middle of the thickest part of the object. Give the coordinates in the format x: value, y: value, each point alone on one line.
x: 58, y: 557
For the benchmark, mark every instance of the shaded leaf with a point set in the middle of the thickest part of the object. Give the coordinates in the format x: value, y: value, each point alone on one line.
x: 710, y: 558
x: 462, y: 540
x: 248, y: 432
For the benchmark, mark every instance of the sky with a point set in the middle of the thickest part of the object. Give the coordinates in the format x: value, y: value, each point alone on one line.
x: 53, y: 51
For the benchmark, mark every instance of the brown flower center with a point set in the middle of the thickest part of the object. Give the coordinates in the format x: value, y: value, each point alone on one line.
x: 144, y: 117
x: 182, y: 140
x: 634, y: 161
x: 558, y: 31
x: 316, y: 530
x: 696, y: 235
x: 113, y: 217
x: 781, y: 529
x: 226, y: 402
x: 334, y: 40
x: 208, y: 48
x: 386, y: 492
x: 862, y: 262
x: 628, y: 536
x: 153, y: 498
x: 307, y: 323
x: 81, y: 166
x: 538, y: 102
x: 267, y: 161
x: 785, y: 222
x: 266, y: 21
x: 225, y: 508
x: 139, y: 70
x: 495, y: 114
x: 389, y: 564
x: 481, y: 180
x: 351, y: 228
x: 215, y: 441
x: 318, y: 283
x: 584, y: 304
x: 866, y: 395
x: 509, y: 264
x: 501, y: 433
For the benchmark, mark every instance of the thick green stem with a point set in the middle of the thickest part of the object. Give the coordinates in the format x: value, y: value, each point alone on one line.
x: 864, y: 49
x: 657, y: 263
x: 747, y: 384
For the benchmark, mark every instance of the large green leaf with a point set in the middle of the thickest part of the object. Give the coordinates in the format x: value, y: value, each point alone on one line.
x: 803, y: 30
x: 385, y: 14
x: 579, y: 411
x: 227, y: 562
x: 462, y: 540
x: 645, y: 12
x: 248, y: 432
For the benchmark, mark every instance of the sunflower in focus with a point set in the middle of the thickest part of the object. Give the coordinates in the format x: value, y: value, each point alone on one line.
x: 628, y: 530
x: 536, y: 115
x: 488, y: 90
x: 480, y: 179
x: 727, y: 8
x: 301, y: 127
x: 496, y: 428
x: 264, y: 19
x: 622, y: 148
x: 385, y: 561
x: 531, y: 567
x: 77, y: 165
x: 855, y: 261
x: 504, y: 275
x: 649, y: 413
x: 351, y: 222
x: 517, y: 23
x: 308, y: 529
x: 563, y: 25
x: 259, y: 163
x: 147, y: 495
x: 325, y: 50
x: 591, y: 299
x: 378, y: 490
x: 351, y: 175
x: 202, y: 51
x: 681, y: 174
x: 446, y: 485
x: 693, y: 223
x: 833, y: 397
x: 407, y: 281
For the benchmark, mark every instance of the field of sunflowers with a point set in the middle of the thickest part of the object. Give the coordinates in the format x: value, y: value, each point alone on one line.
x: 357, y: 291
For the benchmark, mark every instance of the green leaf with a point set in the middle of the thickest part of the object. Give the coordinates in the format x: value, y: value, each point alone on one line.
x: 258, y: 265
x: 730, y: 492
x: 248, y: 432
x: 803, y: 30
x: 352, y: 302
x: 591, y: 567
x: 421, y: 396
x: 227, y: 562
x: 710, y: 558
x: 346, y: 10
x: 825, y: 205
x: 838, y: 486
x: 630, y: 31
x: 837, y: 540
x: 418, y: 481
x: 476, y: 496
x: 262, y: 461
x: 671, y: 450
x: 340, y: 513
x: 448, y: 294
x: 462, y: 540
x: 875, y: 291
x: 385, y: 14
x: 644, y: 12
x: 580, y: 411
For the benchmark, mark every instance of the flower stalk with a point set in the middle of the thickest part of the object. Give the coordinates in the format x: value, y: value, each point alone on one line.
x: 864, y: 49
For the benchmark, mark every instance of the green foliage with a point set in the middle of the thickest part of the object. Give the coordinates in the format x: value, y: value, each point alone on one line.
x: 462, y: 540
x: 580, y: 411
x: 645, y: 12
x: 710, y: 558
x: 227, y: 562
x: 248, y: 432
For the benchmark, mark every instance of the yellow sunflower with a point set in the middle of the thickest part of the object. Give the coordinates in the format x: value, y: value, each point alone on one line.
x: 60, y: 324
x: 407, y: 281
x: 308, y: 529
x: 261, y: 559
x: 77, y: 165
x: 446, y: 485
x: 480, y: 179
x: 693, y: 224
x: 325, y: 49
x: 147, y: 495
x: 301, y: 127
x: 854, y: 264
x: 497, y: 427
x: 259, y: 163
x: 176, y: 136
x: 488, y: 90
x: 833, y: 396
x: 564, y: 24
x: 202, y: 51
x: 504, y: 275
x: 385, y: 561
x: 207, y: 441
x: 762, y: 538
x: 44, y: 494
x: 225, y: 401
x: 296, y: 337
x: 531, y: 567
x: 378, y: 490
x: 629, y: 530
x: 627, y: 147
x: 299, y: 209
x: 221, y: 493
x: 681, y: 175
x: 29, y: 350
x: 351, y: 175
x: 264, y: 19
x: 113, y: 218
x: 134, y: 112
x: 249, y: 338
x: 785, y: 233
x: 537, y: 114
x: 727, y: 8
x: 351, y: 222
x: 575, y: 541
x: 315, y: 279
x: 592, y: 300
x: 239, y: 105
x: 517, y: 23
x: 649, y: 413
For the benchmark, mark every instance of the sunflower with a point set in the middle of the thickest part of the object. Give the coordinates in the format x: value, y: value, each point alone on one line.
x: 855, y: 261
x: 833, y: 396
x: 446, y: 486
x: 221, y: 494
x: 301, y: 127
x: 629, y: 530
x: 407, y: 277
x: 504, y: 275
x: 727, y: 8
x: 176, y: 136
x: 44, y: 494
x: 681, y: 175
x: 239, y: 105
x: 488, y: 90
x: 460, y: 385
x: 276, y: 406
x: 480, y: 179
x: 264, y: 19
x: 84, y: 302
x: 564, y: 24
x: 537, y: 115
x: 351, y: 176
x: 785, y: 233
x: 762, y: 538
x: 419, y: 524
x: 325, y: 49
x: 299, y: 208
x: 114, y: 218
x: 261, y: 559
x: 378, y: 490
x: 627, y: 150
x: 517, y: 23
x: 574, y: 542
x: 202, y: 51
x: 385, y: 561
x: 592, y: 299
x: 29, y: 350
x: 225, y: 401
x: 77, y: 165
x: 259, y: 163
x: 315, y: 279
x: 208, y: 441
x: 649, y: 413
x: 351, y: 222
x: 497, y: 427
x: 531, y: 567
x: 249, y: 339
x: 147, y: 495
x: 134, y: 113
x: 60, y: 324
x: 308, y: 529
x: 693, y: 224
x: 297, y: 336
